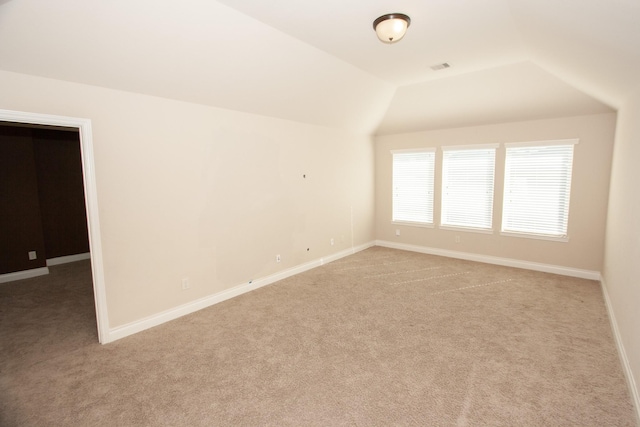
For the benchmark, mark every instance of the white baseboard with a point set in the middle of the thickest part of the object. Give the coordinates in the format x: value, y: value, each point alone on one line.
x: 626, y: 366
x: 199, y: 304
x: 68, y: 258
x: 35, y: 272
x: 345, y: 253
x: 508, y: 262
x: 24, y: 274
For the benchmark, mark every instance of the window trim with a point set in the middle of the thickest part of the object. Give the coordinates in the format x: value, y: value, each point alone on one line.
x: 523, y: 235
x: 414, y: 150
x: 414, y: 224
x: 467, y: 229
x: 470, y: 147
x: 570, y: 141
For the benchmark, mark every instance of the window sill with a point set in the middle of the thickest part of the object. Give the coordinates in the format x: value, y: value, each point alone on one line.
x: 413, y: 224
x: 467, y: 229
x: 563, y: 239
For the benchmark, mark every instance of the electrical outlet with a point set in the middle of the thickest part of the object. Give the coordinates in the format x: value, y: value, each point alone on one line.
x: 278, y: 258
x: 185, y: 284
x: 32, y: 255
x: 331, y: 241
x: 457, y: 239
x: 397, y: 232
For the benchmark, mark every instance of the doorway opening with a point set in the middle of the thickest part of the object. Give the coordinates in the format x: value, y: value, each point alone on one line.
x: 83, y: 127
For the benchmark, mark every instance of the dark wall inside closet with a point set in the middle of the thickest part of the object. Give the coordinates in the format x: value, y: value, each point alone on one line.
x: 42, y: 205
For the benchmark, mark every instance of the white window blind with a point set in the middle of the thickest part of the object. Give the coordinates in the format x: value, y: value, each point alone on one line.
x: 467, y: 186
x: 537, y: 188
x: 413, y: 173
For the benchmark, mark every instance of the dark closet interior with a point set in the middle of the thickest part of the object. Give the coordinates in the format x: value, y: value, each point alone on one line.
x: 42, y: 204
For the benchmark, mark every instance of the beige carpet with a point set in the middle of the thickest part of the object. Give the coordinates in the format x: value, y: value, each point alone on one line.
x: 383, y: 337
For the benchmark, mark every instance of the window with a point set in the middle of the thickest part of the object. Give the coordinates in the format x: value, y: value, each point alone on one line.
x: 467, y: 186
x: 413, y: 172
x: 537, y: 188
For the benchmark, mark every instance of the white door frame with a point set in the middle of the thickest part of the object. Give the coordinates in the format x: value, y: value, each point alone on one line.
x: 91, y: 202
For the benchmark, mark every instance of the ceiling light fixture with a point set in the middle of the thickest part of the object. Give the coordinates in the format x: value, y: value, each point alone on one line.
x: 391, y: 27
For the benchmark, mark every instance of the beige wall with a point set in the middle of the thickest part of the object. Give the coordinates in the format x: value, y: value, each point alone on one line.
x: 186, y: 190
x: 622, y: 250
x: 590, y: 186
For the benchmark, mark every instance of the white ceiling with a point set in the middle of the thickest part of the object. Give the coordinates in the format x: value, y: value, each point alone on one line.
x: 510, y: 93
x: 320, y: 62
x: 469, y: 34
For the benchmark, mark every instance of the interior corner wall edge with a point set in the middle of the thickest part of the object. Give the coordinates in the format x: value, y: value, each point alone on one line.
x: 622, y: 250
x: 622, y: 351
x: 187, y: 191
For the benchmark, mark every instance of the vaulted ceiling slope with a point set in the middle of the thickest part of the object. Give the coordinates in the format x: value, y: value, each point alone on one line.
x: 520, y: 91
x: 198, y: 51
x: 320, y: 62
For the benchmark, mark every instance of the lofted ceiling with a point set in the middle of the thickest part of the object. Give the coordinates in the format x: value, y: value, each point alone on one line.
x: 320, y: 62
x: 470, y: 34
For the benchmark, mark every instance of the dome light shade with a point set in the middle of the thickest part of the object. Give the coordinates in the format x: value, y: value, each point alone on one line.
x: 390, y: 28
